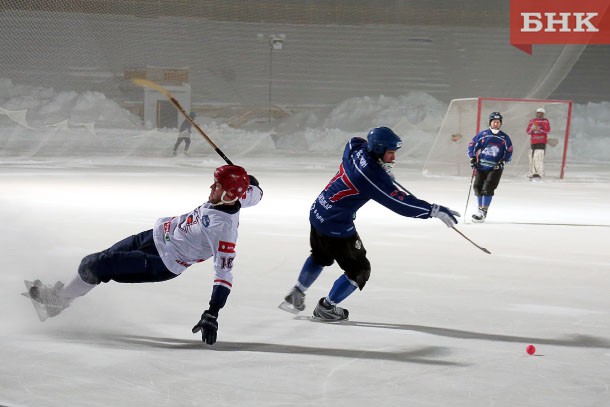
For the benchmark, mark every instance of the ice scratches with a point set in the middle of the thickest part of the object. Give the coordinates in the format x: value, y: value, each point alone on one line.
x: 425, y: 355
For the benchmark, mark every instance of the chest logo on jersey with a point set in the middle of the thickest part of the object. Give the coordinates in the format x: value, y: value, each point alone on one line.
x: 205, y: 220
x: 226, y: 247
x: 492, y: 150
x: 189, y: 222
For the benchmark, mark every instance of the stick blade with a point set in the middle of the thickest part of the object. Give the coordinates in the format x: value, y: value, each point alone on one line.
x: 151, y: 85
x: 473, y: 243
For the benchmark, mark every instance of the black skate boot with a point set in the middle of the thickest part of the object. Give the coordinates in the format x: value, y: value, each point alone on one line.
x: 329, y: 313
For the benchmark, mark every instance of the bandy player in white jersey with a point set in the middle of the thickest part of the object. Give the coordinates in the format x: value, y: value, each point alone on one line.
x: 169, y: 248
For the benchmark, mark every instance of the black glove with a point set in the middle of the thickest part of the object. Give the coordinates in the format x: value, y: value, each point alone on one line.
x: 208, y: 327
x: 499, y: 165
x: 253, y: 181
x: 473, y: 162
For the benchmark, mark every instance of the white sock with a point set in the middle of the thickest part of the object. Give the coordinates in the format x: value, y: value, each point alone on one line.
x: 77, y: 288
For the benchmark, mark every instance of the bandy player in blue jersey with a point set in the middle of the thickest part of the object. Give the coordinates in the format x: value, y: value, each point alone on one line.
x: 364, y: 174
x: 488, y: 152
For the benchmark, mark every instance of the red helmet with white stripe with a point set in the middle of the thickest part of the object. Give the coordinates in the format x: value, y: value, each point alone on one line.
x: 233, y: 180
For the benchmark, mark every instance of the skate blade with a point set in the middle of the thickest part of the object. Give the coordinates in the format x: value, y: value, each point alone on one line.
x: 313, y: 318
x: 288, y: 308
x: 40, y: 308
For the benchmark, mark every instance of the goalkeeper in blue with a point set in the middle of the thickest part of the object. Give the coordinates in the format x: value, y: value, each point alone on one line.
x: 364, y: 174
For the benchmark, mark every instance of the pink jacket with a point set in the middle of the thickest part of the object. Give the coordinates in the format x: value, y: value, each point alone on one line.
x: 538, y: 129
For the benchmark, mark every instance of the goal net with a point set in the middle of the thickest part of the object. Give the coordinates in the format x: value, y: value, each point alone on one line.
x: 466, y: 117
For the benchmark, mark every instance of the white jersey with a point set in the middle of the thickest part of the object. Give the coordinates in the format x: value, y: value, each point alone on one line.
x: 205, y: 232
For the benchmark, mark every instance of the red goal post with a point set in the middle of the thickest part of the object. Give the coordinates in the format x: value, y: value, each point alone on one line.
x: 466, y: 117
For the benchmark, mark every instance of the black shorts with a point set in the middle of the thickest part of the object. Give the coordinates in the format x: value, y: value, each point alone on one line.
x: 486, y: 182
x: 349, y: 252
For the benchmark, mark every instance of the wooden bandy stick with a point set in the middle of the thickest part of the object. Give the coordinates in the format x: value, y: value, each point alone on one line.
x: 155, y: 86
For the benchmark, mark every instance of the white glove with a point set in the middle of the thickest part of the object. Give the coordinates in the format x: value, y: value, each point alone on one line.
x: 444, y: 214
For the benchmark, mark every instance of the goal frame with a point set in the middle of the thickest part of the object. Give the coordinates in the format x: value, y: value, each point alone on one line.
x: 480, y: 101
x: 464, y: 118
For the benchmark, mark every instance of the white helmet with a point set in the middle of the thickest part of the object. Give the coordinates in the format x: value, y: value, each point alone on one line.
x: 541, y: 110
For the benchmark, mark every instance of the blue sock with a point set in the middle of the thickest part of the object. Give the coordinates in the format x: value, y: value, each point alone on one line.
x: 486, y: 200
x: 309, y: 274
x: 480, y: 200
x: 341, y: 289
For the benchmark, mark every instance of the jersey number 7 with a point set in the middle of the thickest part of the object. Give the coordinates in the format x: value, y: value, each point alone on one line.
x: 342, y: 176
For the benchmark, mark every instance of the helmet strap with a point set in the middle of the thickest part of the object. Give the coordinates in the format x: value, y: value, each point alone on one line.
x: 222, y: 198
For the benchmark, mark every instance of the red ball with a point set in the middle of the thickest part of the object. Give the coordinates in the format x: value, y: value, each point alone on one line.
x: 530, y: 349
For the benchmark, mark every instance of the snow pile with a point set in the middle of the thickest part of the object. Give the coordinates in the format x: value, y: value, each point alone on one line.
x: 39, y: 122
x: 45, y: 107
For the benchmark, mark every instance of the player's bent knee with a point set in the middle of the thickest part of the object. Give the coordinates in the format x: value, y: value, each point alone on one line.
x: 87, y: 267
x: 360, y: 277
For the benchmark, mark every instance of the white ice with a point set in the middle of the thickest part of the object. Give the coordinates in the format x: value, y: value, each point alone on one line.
x: 440, y: 323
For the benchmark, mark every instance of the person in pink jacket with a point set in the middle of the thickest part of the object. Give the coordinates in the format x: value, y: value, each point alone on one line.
x: 538, y: 128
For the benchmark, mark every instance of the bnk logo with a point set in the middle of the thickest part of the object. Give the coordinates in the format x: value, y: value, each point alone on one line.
x: 559, y: 22
x: 563, y: 22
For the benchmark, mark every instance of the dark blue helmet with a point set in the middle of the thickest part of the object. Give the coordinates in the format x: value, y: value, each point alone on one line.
x: 381, y: 139
x: 495, y: 116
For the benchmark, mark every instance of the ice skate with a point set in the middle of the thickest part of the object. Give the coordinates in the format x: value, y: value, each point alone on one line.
x: 48, y: 301
x: 326, y: 312
x: 480, y: 216
x: 294, y: 302
x: 535, y: 178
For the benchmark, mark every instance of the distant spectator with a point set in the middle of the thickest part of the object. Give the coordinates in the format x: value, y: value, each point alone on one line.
x: 184, y: 134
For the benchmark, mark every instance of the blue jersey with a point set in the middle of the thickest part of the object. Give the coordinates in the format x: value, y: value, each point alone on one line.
x: 490, y: 149
x: 360, y: 179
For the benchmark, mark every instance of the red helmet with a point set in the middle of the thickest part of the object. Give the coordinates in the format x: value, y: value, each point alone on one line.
x: 233, y: 180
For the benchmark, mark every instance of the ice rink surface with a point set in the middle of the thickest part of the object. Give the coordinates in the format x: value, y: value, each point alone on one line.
x: 440, y: 323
